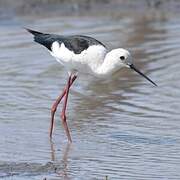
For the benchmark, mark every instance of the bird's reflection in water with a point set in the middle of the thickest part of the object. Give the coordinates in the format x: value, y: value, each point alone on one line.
x: 61, y: 169
x: 52, y: 150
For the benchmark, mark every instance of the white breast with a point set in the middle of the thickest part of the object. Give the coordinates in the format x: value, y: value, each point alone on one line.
x: 85, y: 62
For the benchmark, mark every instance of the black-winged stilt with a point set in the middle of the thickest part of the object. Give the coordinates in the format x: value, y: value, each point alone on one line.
x: 82, y: 54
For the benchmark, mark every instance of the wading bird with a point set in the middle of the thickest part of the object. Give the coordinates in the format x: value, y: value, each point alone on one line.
x: 82, y: 55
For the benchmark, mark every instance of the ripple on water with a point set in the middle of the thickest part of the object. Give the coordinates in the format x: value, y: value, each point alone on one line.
x: 121, y: 127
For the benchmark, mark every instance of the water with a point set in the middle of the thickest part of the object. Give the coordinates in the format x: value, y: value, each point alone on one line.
x: 122, y: 128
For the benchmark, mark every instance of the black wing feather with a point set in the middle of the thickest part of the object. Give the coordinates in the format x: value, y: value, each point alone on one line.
x: 76, y: 43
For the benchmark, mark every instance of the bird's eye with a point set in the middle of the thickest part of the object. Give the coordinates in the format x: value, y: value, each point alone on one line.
x: 122, y: 57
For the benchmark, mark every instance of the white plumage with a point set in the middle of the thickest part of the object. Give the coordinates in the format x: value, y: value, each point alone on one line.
x: 94, y: 60
x: 82, y: 54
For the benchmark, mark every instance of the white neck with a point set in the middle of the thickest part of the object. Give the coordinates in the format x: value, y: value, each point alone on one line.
x: 108, y: 66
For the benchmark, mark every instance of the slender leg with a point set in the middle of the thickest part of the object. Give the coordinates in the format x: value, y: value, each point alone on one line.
x: 63, y: 113
x: 55, y: 105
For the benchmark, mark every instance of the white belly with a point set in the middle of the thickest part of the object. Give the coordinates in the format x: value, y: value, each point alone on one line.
x: 85, y: 62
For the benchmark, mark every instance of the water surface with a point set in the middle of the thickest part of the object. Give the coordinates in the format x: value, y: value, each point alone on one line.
x: 122, y: 127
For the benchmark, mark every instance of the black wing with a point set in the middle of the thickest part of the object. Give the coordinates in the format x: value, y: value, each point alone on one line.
x: 76, y: 43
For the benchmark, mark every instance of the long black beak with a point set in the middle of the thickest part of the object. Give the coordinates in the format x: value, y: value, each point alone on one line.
x: 135, y: 69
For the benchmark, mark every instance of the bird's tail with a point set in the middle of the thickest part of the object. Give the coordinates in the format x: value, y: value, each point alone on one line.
x: 35, y: 33
x: 41, y: 38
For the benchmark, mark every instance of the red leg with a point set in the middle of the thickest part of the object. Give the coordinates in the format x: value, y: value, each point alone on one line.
x: 55, y: 105
x: 63, y: 114
x: 53, y: 110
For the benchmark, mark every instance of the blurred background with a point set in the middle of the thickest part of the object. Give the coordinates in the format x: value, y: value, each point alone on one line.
x: 123, y: 127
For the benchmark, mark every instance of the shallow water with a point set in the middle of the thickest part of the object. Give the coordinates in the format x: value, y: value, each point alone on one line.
x: 122, y: 128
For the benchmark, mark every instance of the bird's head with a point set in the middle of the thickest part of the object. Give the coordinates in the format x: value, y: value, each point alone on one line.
x: 122, y: 58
